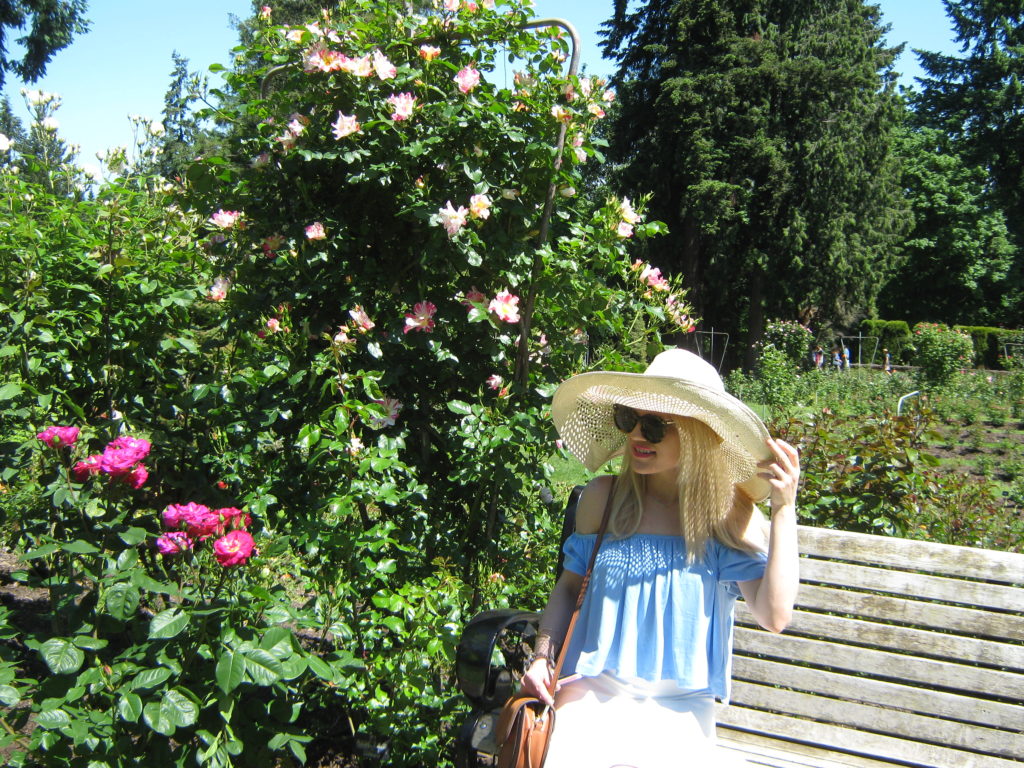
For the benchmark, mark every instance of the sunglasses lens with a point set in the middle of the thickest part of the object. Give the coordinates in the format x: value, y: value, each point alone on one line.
x: 651, y: 426
x: 625, y: 418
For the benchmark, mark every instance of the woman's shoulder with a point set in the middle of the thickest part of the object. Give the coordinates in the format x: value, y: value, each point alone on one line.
x: 591, y: 505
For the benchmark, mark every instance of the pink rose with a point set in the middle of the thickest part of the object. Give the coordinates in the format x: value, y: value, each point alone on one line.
x: 421, y: 318
x: 234, y: 548
x: 173, y: 543
x: 233, y: 518
x: 86, y: 468
x: 138, y: 476
x: 467, y: 79
x: 59, y: 437
x: 203, y: 523
x: 121, y: 455
x: 175, y: 515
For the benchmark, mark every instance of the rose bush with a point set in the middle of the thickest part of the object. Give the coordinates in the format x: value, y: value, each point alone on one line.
x: 357, y: 316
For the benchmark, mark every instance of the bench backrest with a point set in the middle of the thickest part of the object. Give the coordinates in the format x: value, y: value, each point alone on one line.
x: 899, y: 649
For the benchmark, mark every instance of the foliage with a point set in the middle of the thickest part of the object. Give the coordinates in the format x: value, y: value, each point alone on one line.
x: 52, y: 24
x: 975, y: 99
x: 893, y: 335
x: 349, y: 323
x: 989, y: 343
x: 183, y: 651
x: 875, y: 475
x: 940, y: 351
x: 959, y: 253
x: 789, y: 337
x: 729, y: 115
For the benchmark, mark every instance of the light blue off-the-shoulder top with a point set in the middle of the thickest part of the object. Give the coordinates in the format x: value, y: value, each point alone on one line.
x: 649, y: 615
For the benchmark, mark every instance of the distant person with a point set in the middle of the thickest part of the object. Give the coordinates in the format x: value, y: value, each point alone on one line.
x: 818, y: 357
x: 886, y: 361
x: 846, y: 357
x: 837, y: 358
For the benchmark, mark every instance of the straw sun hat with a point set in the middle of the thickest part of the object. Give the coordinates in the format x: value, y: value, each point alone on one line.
x: 676, y: 382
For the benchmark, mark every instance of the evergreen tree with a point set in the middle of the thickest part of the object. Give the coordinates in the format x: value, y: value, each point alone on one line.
x: 764, y: 128
x: 977, y: 99
x: 959, y: 253
x: 10, y: 124
x: 184, y: 138
x: 52, y: 24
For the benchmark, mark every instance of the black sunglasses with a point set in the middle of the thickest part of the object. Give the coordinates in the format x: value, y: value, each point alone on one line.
x: 652, y: 427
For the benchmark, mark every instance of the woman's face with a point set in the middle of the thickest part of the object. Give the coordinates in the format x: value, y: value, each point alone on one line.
x: 647, y: 458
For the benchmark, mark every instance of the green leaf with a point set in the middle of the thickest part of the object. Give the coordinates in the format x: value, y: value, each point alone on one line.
x: 179, y: 708
x: 167, y: 624
x: 54, y: 718
x: 61, y: 656
x: 150, y: 678
x: 9, y: 695
x: 10, y: 391
x: 122, y: 600
x: 320, y: 668
x: 155, y: 717
x: 133, y: 536
x: 459, y: 407
x: 80, y: 547
x: 43, y: 551
x: 262, y: 667
x: 230, y: 670
x: 88, y: 643
x: 129, y: 707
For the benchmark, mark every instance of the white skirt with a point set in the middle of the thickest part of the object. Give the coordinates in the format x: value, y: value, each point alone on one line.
x: 609, y: 722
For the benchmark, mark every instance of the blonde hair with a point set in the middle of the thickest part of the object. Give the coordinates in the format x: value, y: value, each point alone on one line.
x: 710, y: 505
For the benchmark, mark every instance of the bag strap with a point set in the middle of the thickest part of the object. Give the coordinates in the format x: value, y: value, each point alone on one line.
x: 583, y: 586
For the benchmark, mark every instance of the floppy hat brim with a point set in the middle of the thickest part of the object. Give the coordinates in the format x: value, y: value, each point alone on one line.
x: 582, y: 413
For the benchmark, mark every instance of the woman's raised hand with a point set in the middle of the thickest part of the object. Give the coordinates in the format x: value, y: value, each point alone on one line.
x: 783, y: 473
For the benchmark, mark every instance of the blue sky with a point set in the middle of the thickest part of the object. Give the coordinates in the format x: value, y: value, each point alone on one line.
x: 122, y: 65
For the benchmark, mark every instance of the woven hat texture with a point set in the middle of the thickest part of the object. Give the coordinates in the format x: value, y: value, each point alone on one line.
x: 676, y: 382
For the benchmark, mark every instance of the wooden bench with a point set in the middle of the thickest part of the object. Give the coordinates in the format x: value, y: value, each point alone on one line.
x: 900, y: 653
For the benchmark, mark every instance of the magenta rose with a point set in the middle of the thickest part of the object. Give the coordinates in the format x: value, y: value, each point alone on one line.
x: 233, y: 518
x: 59, y: 437
x: 138, y: 476
x: 86, y: 468
x: 173, y: 543
x: 175, y: 516
x: 201, y: 523
x: 233, y: 548
x: 121, y: 455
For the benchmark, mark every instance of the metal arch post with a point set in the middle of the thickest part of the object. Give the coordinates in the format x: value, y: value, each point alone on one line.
x: 526, y: 317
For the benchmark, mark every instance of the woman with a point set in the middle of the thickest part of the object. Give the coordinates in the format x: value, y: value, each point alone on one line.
x: 652, y: 647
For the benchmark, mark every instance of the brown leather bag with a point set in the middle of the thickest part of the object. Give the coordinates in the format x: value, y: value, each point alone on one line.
x: 526, y: 723
x: 524, y: 729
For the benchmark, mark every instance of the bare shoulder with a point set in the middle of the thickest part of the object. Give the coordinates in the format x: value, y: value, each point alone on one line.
x: 591, y: 505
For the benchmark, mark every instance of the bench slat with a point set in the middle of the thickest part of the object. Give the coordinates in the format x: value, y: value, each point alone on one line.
x: 946, y: 559
x: 947, y: 618
x: 930, y: 730
x: 852, y: 740
x: 758, y: 749
x: 891, y: 637
x: 881, y: 664
x: 880, y: 693
x: 993, y: 596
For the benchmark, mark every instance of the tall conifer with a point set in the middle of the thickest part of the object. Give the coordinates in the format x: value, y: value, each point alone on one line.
x: 764, y: 128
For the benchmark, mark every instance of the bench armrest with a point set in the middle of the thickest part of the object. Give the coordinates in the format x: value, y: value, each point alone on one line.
x: 492, y: 653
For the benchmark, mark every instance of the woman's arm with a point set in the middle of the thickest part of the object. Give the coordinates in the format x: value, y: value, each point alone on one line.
x: 770, y: 598
x: 554, y: 622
